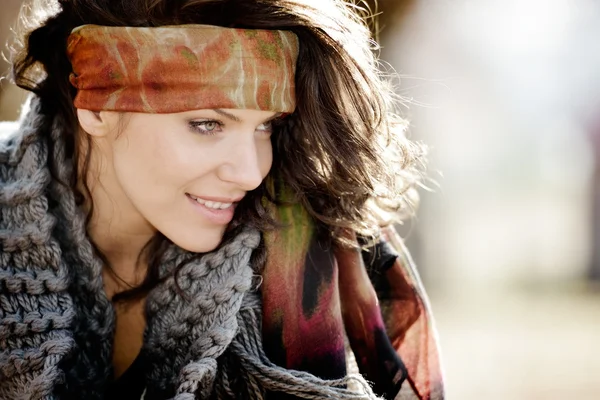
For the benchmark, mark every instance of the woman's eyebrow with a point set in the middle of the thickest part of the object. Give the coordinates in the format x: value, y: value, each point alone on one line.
x: 227, y: 115
x: 236, y: 119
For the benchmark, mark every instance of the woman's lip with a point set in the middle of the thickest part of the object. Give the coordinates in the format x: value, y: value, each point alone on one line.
x: 218, y: 199
x: 216, y: 216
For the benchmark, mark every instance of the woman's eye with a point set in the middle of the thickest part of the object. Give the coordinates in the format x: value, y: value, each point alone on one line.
x: 206, y: 127
x: 266, y: 127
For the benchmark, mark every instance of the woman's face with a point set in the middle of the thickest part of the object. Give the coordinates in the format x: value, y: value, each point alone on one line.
x: 181, y: 174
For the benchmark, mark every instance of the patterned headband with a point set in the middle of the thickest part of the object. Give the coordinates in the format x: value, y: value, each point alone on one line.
x: 181, y: 68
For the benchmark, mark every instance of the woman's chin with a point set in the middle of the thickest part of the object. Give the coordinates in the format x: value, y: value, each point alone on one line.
x: 203, y: 242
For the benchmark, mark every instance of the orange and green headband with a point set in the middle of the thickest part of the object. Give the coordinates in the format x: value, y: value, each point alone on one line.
x: 182, y: 68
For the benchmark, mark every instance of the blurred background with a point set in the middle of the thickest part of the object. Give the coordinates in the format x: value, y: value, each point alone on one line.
x: 507, y: 96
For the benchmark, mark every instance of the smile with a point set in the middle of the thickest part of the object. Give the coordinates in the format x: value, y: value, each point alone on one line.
x: 216, y: 212
x: 215, y: 205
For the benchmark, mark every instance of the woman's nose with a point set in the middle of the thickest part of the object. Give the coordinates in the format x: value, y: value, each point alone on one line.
x: 242, y: 165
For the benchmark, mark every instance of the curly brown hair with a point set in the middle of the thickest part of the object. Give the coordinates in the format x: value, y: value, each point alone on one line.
x: 342, y: 153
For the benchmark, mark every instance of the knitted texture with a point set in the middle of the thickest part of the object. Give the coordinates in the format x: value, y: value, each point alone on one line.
x: 189, y: 338
x: 36, y: 311
x: 57, y: 325
x: 45, y: 315
x: 260, y: 375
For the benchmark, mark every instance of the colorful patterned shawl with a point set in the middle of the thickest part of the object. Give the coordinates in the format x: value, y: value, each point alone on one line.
x: 314, y: 295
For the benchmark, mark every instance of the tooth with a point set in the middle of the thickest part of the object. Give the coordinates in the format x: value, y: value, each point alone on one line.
x: 216, y: 205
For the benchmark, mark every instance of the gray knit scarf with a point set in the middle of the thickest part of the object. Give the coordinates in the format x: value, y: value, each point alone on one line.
x: 57, y: 325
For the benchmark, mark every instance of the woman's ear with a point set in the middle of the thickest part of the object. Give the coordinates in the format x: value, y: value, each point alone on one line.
x: 96, y: 123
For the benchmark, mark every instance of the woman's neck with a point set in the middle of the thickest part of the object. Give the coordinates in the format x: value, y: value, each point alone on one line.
x: 116, y: 227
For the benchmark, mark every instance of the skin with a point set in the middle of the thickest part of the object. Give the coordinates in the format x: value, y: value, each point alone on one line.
x: 142, y: 168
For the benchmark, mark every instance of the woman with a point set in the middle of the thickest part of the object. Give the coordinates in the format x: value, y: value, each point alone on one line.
x: 193, y: 206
